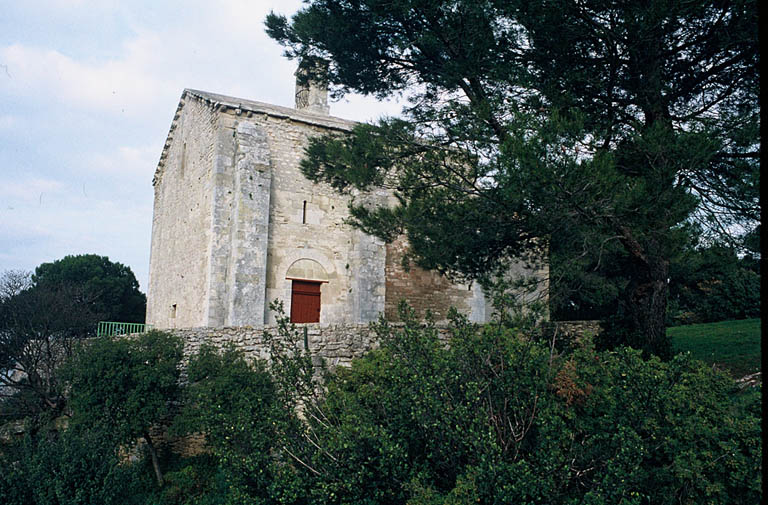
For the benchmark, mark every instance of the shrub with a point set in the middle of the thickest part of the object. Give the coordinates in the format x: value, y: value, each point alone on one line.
x: 491, y: 416
x: 126, y: 386
x: 235, y: 404
x: 477, y: 414
x: 74, y: 467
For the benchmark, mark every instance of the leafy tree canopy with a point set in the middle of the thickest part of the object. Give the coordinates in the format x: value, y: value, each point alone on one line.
x: 114, y: 286
x: 708, y: 283
x: 499, y: 415
x: 713, y: 284
x: 43, y: 314
x: 615, y: 125
x: 126, y: 385
x: 39, y: 326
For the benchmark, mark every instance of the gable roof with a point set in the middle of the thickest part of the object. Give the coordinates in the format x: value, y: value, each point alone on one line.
x: 223, y: 103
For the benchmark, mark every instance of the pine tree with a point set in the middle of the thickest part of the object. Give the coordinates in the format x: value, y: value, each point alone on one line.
x: 620, y: 126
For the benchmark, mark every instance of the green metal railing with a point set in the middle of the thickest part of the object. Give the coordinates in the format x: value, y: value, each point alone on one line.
x: 110, y: 328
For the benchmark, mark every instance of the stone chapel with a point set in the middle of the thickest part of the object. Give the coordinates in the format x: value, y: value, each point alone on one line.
x: 236, y: 225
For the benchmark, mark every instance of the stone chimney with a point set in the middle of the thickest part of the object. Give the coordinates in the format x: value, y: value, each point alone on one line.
x: 312, y: 95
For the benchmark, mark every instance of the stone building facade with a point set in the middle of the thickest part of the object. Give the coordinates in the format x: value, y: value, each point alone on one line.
x: 236, y: 225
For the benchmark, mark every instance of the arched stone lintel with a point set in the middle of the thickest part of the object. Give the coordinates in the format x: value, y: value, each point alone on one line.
x: 291, y: 257
x: 307, y: 269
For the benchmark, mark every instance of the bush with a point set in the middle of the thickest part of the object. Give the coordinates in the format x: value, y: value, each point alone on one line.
x: 480, y: 414
x: 126, y: 386
x: 75, y: 467
x: 494, y: 417
x: 197, y: 481
x: 235, y: 403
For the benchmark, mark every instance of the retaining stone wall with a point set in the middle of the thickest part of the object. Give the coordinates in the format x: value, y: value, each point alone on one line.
x: 338, y: 344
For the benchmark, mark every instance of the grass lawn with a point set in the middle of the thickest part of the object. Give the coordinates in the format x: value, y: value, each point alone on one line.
x: 732, y: 345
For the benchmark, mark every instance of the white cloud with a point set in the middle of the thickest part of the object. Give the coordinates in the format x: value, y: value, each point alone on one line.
x: 222, y: 45
x: 65, y: 4
x: 125, y: 161
x: 28, y: 191
x: 223, y: 49
x: 80, y: 181
x: 105, y: 223
x: 116, y: 86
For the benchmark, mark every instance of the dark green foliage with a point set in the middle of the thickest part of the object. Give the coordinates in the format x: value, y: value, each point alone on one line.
x: 585, y: 287
x: 248, y: 412
x: 472, y: 414
x: 39, y: 326
x: 198, y: 480
x: 126, y: 386
x: 713, y: 284
x: 496, y: 418
x: 234, y: 403
x: 73, y: 467
x: 125, y: 383
x: 43, y: 315
x: 114, y: 290
x: 608, y: 128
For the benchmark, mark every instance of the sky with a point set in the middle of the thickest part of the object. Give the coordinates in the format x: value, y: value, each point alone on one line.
x: 88, y: 89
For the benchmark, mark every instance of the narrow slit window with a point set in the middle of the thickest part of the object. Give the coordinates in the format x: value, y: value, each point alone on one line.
x: 173, y: 311
x: 304, y: 213
x: 183, y: 159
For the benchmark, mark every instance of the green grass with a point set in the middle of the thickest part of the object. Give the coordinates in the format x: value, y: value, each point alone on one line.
x: 731, y: 345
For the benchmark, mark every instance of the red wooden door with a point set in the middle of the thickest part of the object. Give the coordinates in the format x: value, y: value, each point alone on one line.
x: 305, y: 302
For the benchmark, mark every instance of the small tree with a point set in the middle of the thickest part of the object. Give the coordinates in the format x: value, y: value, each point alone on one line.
x: 39, y: 325
x: 13, y: 282
x: 114, y: 290
x: 233, y: 402
x: 127, y: 385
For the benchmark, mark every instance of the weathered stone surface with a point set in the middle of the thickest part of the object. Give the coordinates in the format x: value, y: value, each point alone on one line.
x: 311, y: 96
x: 235, y: 222
x: 425, y: 290
x: 336, y: 344
x: 182, y: 221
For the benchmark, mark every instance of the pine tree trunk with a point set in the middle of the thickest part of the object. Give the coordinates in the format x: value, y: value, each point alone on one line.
x: 646, y: 298
x: 155, y: 461
x: 647, y: 310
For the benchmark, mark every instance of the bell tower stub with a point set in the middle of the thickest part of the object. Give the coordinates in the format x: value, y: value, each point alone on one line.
x: 311, y: 95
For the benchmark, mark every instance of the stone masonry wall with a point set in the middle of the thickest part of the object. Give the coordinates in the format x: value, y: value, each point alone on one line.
x: 425, y: 290
x: 337, y: 344
x: 181, y: 223
x: 234, y: 214
x: 240, y: 224
x: 307, y: 222
x: 253, y: 215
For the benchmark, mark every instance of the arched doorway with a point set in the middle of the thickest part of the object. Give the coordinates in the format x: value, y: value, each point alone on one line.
x: 307, y: 277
